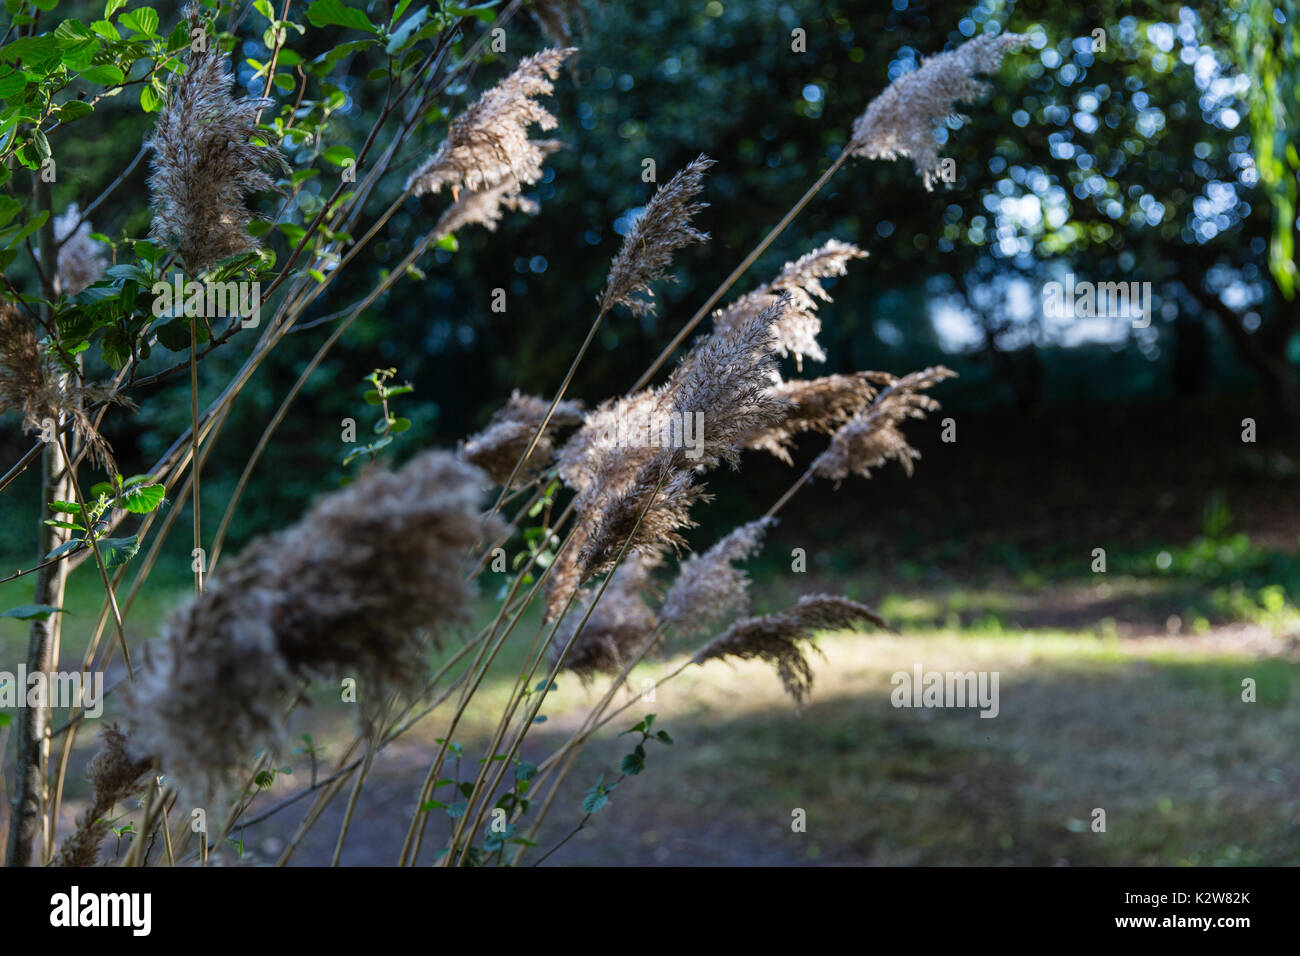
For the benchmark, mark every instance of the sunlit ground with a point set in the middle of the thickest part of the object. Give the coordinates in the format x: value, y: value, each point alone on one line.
x: 1152, y: 730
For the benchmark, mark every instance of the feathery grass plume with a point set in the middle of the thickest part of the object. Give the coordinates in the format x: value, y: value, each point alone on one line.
x: 592, y: 454
x: 351, y: 590
x: 81, y: 259
x: 709, y: 587
x: 818, y: 404
x: 776, y: 638
x: 503, y: 442
x: 32, y: 382
x: 648, y: 247
x: 726, y: 377
x: 666, y: 514
x: 114, y: 775
x: 488, y: 144
x: 796, y: 331
x: 485, y: 207
x: 205, y: 162
x: 618, y: 628
x: 873, y: 437
x: 901, y: 121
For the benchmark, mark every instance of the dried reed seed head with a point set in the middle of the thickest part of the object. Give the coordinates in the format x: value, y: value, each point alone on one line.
x: 32, y: 382
x: 619, y: 625
x: 709, y: 587
x: 797, y: 329
x: 112, y: 772
x: 818, y: 404
x: 503, y: 442
x: 564, y: 576
x: 205, y: 163
x: 115, y: 776
x: 590, y: 458
x: 485, y: 207
x: 874, y: 437
x: 81, y: 259
x: 649, y: 516
x: 488, y: 144
x: 901, y: 121
x: 351, y: 590
x: 648, y: 247
x: 779, y: 639
x: 727, y: 376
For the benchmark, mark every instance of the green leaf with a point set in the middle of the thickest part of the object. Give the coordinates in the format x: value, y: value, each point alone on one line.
x: 663, y: 738
x: 340, y: 156
x: 65, y: 507
x: 143, y: 499
x: 399, y: 425
x: 42, y: 144
x: 634, y: 762
x: 144, y: 20
x: 64, y: 548
x: 32, y: 612
x: 150, y: 101
x: 402, y: 35
x: 74, y: 110
x: 30, y: 227
x: 324, y: 63
x: 596, y: 797
x: 8, y: 209
x: 175, y: 335
x: 118, y: 551
x: 13, y: 83
x: 4, y: 720
x: 482, y: 10
x: 111, y: 7
x: 105, y: 74
x: 324, y: 13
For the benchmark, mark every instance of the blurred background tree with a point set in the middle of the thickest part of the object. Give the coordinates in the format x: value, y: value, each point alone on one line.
x: 1150, y: 142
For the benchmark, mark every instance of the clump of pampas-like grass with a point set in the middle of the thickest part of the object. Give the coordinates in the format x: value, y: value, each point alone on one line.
x: 619, y: 624
x: 796, y: 332
x: 901, y: 121
x: 780, y: 639
x: 205, y: 163
x: 81, y: 259
x: 488, y: 144
x: 115, y: 776
x: 352, y: 590
x: 709, y: 586
x: 874, y: 436
x: 504, y: 441
x: 814, y: 405
x: 663, y: 228
x: 32, y: 383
